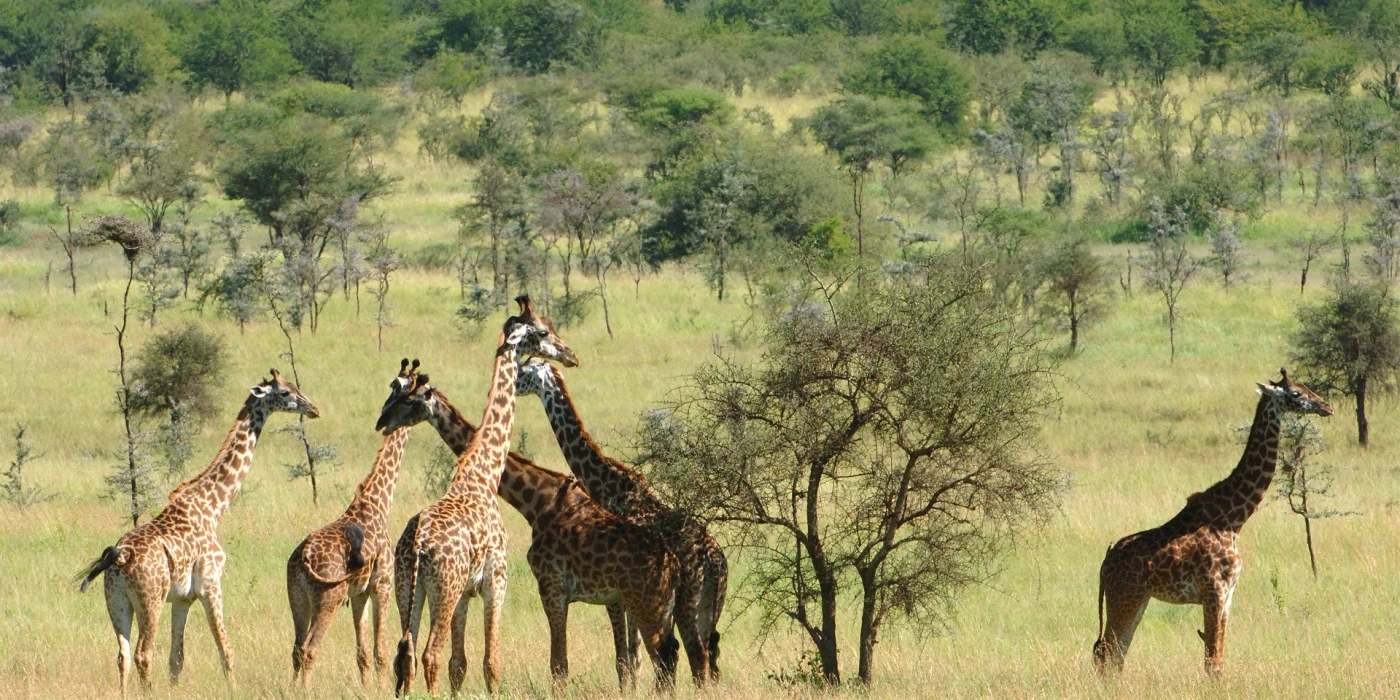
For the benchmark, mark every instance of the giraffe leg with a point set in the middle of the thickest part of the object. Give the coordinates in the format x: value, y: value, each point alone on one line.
x: 1216, y: 609
x: 441, y: 609
x: 661, y: 646
x: 1124, y: 613
x: 379, y: 605
x: 622, y: 630
x: 457, y: 664
x: 556, y: 610
x: 148, y: 606
x: 695, y: 649
x: 493, y: 600
x: 359, y: 613
x: 324, y: 603
x: 299, y: 598
x: 213, y: 598
x: 179, y: 612
x: 121, y: 612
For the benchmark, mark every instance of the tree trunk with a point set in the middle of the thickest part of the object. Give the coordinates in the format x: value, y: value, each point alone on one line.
x: 1171, y: 331
x: 1362, y: 429
x: 603, y: 294
x: 1073, y: 324
x: 869, y: 626
x: 1312, y: 556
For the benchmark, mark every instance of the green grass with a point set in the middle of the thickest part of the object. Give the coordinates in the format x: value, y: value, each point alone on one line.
x: 1135, y: 436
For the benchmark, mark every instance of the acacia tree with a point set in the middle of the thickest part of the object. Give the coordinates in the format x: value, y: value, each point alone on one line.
x: 1349, y: 343
x: 1076, y: 283
x: 884, y: 446
x: 864, y: 133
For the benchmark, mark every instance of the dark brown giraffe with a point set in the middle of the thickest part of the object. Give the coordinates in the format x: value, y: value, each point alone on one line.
x: 176, y: 557
x: 617, y: 487
x: 579, y: 552
x: 348, y: 559
x: 456, y: 548
x: 1193, y: 558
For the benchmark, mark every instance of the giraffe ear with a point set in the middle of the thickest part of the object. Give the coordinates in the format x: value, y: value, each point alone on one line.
x: 423, y: 380
x: 259, y: 391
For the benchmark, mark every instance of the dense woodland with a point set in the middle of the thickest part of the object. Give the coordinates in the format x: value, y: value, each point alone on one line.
x: 973, y: 155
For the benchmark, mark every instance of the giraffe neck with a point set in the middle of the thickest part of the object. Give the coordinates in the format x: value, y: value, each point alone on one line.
x: 206, y: 497
x: 610, y: 483
x: 528, y: 488
x: 1231, y: 501
x: 375, y: 494
x: 479, y: 467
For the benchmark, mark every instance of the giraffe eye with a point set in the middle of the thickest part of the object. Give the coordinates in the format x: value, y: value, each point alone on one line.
x: 1297, y: 393
x: 284, y: 393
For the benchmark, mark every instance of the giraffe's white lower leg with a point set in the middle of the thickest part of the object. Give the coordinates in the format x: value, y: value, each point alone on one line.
x: 359, y: 611
x: 120, y: 612
x: 213, y: 600
x: 493, y: 600
x: 179, y: 613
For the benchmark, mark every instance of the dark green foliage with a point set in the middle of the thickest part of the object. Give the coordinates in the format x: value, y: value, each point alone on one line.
x: 234, y: 45
x: 993, y: 26
x: 671, y: 109
x: 353, y: 42
x: 294, y: 161
x: 912, y: 67
x: 10, y: 215
x: 1160, y: 36
x: 178, y: 370
x: 540, y: 34
x: 1349, y: 344
x: 1099, y: 37
x: 1201, y: 190
x: 1076, y: 283
x: 132, y: 46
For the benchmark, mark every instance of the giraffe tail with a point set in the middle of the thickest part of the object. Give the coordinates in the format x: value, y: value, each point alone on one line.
x: 403, y: 660
x: 111, y: 556
x: 1100, y: 639
x: 355, y: 535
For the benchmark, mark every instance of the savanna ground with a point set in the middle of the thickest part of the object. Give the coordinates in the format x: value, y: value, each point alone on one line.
x: 1135, y: 435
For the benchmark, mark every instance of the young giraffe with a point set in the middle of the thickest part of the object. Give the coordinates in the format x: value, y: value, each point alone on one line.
x: 176, y: 557
x: 579, y: 552
x: 349, y: 558
x: 456, y: 548
x: 618, y: 488
x: 1193, y: 558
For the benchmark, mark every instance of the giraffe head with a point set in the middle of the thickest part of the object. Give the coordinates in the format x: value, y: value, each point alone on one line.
x: 1291, y: 397
x: 278, y: 394
x: 536, y: 377
x: 411, y: 401
x: 528, y: 334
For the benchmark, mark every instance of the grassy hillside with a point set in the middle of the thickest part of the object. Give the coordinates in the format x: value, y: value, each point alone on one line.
x: 1135, y: 436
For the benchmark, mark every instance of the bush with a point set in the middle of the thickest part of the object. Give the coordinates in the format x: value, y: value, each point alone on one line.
x: 10, y: 215
x: 911, y: 67
x: 177, y: 372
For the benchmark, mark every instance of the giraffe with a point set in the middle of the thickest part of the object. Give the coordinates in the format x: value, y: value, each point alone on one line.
x: 579, y: 552
x: 1193, y: 558
x: 176, y: 556
x: 347, y: 559
x: 456, y: 548
x: 620, y: 489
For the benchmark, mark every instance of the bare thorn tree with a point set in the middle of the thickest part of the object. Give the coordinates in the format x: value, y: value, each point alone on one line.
x: 1168, y: 266
x: 1304, y: 482
x: 383, y: 261
x: 1309, y: 248
x: 1226, y: 249
x: 13, y: 489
